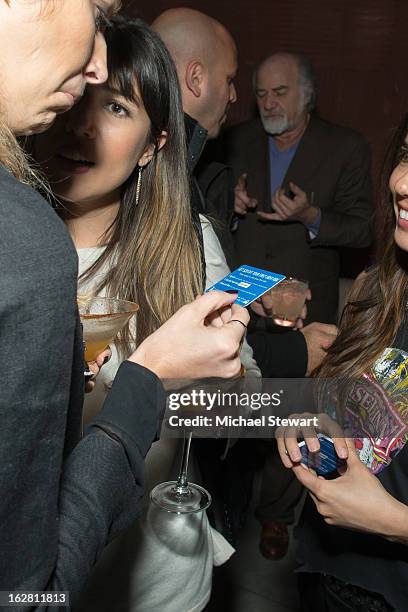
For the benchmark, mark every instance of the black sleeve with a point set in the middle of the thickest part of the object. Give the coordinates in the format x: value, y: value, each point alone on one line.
x: 132, y: 410
x: 279, y: 354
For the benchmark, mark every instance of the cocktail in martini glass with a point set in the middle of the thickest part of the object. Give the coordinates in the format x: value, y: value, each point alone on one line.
x: 102, y: 319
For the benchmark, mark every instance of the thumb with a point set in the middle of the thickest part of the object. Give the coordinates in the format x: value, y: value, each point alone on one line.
x: 211, y: 301
x: 332, y: 330
x: 306, y: 477
x: 242, y: 181
x: 296, y: 190
x: 269, y: 216
x: 353, y: 457
x: 326, y: 340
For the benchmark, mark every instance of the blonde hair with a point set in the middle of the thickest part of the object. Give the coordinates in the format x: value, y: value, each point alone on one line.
x: 13, y: 158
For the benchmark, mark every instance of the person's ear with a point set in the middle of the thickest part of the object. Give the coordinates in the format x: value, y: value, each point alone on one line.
x: 308, y: 96
x: 151, y: 148
x: 195, y: 77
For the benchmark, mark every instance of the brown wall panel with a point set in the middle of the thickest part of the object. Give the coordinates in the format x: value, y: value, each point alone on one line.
x: 359, y: 48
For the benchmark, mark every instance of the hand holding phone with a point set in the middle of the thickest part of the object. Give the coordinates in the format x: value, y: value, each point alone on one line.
x: 325, y: 462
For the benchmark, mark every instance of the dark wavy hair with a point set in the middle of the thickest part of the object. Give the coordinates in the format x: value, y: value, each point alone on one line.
x: 377, y: 304
x: 156, y: 251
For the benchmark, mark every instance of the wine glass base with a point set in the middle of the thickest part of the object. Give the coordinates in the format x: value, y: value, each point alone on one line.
x: 181, y: 500
x: 283, y: 322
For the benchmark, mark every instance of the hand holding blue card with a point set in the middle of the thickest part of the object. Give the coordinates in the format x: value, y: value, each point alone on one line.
x: 251, y: 283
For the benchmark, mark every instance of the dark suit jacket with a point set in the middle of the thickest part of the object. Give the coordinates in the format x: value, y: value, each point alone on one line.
x: 333, y: 164
x: 62, y: 498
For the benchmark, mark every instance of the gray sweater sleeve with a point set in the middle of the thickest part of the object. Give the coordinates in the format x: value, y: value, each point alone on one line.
x: 103, y: 478
x: 62, y: 499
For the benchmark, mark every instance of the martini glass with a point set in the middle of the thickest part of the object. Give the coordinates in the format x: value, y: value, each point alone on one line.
x: 102, y: 319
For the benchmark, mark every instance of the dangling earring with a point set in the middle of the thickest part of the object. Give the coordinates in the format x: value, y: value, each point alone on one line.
x: 139, y: 184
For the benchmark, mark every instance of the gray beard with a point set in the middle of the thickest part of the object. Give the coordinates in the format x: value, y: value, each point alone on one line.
x: 274, y: 127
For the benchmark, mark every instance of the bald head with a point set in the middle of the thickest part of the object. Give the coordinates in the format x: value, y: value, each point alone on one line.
x: 205, y: 57
x: 190, y: 34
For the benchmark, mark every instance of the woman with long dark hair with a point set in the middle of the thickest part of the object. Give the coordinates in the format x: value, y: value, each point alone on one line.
x: 353, y: 543
x: 117, y: 166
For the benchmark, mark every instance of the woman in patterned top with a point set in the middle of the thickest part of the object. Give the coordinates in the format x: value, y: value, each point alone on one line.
x: 353, y: 532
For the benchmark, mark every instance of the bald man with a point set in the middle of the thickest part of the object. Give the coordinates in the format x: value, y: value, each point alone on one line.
x: 206, y: 60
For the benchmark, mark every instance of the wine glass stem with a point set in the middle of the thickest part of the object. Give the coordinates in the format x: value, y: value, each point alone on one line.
x: 182, y: 484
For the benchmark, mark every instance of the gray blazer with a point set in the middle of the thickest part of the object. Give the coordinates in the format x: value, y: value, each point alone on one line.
x: 62, y: 499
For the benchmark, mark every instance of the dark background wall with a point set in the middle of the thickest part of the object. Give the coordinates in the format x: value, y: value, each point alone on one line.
x: 359, y: 49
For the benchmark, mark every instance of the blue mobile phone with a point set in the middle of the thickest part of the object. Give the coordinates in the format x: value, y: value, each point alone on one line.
x: 326, y: 461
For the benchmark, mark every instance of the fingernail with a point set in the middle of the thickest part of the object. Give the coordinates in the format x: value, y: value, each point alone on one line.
x: 295, y: 456
x: 343, y: 453
x: 314, y: 447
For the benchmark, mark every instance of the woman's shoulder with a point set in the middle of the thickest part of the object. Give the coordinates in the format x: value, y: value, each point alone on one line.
x: 28, y: 221
x: 11, y: 189
x: 21, y: 205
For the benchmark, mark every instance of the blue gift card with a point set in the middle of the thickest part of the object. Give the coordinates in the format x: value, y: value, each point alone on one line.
x: 250, y: 283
